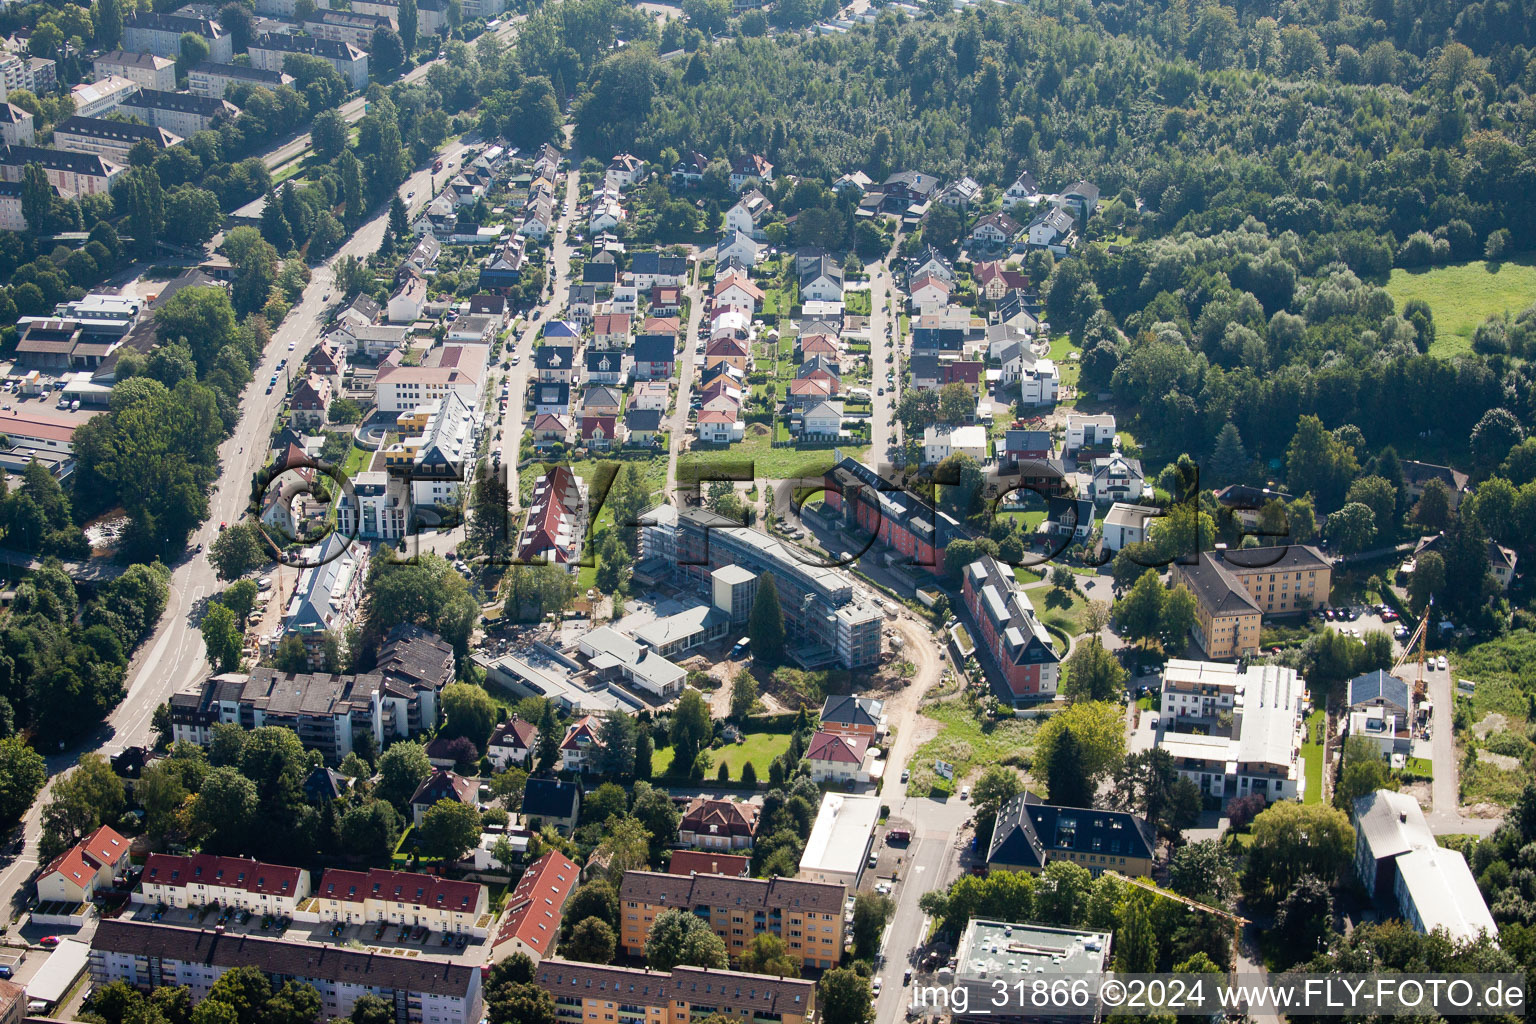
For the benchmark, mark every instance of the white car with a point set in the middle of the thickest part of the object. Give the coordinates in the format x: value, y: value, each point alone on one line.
x: 874, y: 985
x: 291, y: 345
x: 1441, y: 663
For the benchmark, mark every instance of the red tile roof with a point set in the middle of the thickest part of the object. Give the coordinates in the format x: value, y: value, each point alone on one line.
x: 233, y: 872
x: 417, y: 889
x: 536, y: 904
x: 829, y: 746
x: 707, y: 862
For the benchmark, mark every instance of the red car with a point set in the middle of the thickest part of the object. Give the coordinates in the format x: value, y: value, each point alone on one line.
x: 48, y: 941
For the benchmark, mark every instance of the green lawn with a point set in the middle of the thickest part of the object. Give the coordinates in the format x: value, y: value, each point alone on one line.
x: 1421, y: 766
x: 760, y: 748
x: 1070, y: 369
x: 966, y: 742
x: 1464, y: 295
x: 766, y: 461
x: 357, y: 462
x: 1064, y: 615
x: 1312, y: 755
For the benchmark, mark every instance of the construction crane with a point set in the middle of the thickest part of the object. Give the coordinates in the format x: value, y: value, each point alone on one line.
x: 1141, y: 883
x: 1420, y: 637
x: 1204, y: 908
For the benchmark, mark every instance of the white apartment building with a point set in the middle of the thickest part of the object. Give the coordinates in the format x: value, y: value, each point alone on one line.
x: 377, y: 896
x: 203, y: 879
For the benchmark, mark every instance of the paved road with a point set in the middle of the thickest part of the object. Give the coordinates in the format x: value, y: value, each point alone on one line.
x: 882, y: 293
x: 678, y: 423
x: 353, y: 109
x: 172, y: 660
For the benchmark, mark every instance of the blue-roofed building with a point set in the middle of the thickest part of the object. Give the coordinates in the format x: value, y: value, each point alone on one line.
x: 561, y: 329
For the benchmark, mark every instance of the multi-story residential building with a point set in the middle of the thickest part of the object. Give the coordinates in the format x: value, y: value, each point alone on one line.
x: 75, y: 875
x: 12, y: 217
x: 378, y: 896
x: 72, y: 175
x: 160, y: 34
x: 587, y: 992
x: 178, y: 112
x: 16, y: 125
x: 328, y: 594
x: 1016, y: 642
x: 377, y: 508
x: 535, y: 906
x: 712, y: 824
x: 833, y: 757
x: 269, y: 52
x: 1235, y: 589
x: 145, y: 69
x: 1091, y: 432
x: 849, y: 715
x: 1255, y: 750
x: 417, y: 665
x: 37, y: 75
x: 327, y: 712
x: 827, y: 624
x: 898, y: 519
x: 450, y: 368
x: 1031, y: 834
x: 110, y: 140
x: 807, y: 916
x: 214, y: 80
x: 101, y: 97
x: 556, y: 519
x: 435, y: 461
x: 203, y: 880
x: 423, y: 989
x: 351, y: 27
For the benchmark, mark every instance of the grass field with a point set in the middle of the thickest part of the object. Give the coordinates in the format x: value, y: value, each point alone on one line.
x: 760, y: 748
x: 767, y: 462
x: 1065, y: 616
x: 1312, y: 756
x: 1464, y: 295
x: 1069, y: 369
x: 966, y: 743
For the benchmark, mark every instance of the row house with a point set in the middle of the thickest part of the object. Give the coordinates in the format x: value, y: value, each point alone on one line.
x: 1017, y: 643
x: 204, y: 880
x: 378, y: 896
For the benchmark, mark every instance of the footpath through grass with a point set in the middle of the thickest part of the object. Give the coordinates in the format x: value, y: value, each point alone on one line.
x: 1464, y: 295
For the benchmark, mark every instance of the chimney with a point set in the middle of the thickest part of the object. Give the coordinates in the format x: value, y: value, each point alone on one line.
x: 1402, y: 816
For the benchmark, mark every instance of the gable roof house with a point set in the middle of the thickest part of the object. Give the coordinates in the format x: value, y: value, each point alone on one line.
x: 513, y: 742
x: 556, y: 519
x: 643, y: 425
x: 75, y: 875
x: 821, y: 280
x: 749, y: 215
x: 995, y: 231
x: 601, y: 401
x: 748, y: 168
x: 439, y: 786
x: 552, y: 802
x: 836, y: 757
x: 655, y: 356
x: 713, y: 824
x: 1023, y: 190
x: 1052, y: 229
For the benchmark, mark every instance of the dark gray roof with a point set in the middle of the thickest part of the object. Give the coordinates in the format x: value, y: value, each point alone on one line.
x: 57, y: 159
x: 1027, y: 830
x: 105, y: 128
x: 643, y: 419
x: 1378, y: 687
x: 181, y: 102
x: 551, y: 798
x: 298, y: 960
x: 655, y: 348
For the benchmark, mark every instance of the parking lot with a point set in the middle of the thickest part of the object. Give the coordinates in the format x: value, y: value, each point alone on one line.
x: 1358, y: 620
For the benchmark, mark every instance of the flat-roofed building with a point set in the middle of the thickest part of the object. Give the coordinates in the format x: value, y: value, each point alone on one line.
x: 1250, y: 728
x: 996, y: 952
x: 808, y: 916
x: 422, y: 989
x: 327, y: 711
x: 614, y: 655
x: 101, y: 97
x: 840, y: 840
